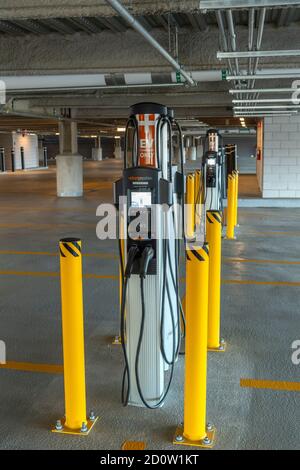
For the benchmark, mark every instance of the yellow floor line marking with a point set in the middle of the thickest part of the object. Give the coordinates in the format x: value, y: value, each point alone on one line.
x: 99, y: 276
x: 115, y: 277
x: 28, y: 273
x: 49, y: 274
x: 133, y: 445
x: 259, y: 261
x: 30, y: 367
x: 101, y: 255
x: 46, y: 253
x: 270, y: 384
x: 115, y: 256
x: 283, y: 234
x: 261, y: 283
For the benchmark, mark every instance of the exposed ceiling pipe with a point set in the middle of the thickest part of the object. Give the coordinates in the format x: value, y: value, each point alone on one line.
x: 209, y: 5
x: 263, y: 90
x: 270, y: 113
x: 98, y: 81
x: 261, y: 26
x: 85, y: 88
x: 266, y: 107
x: 223, y: 37
x: 259, y: 54
x: 251, y: 38
x: 268, y: 74
x: 270, y: 100
x: 232, y: 37
x: 230, y: 23
x: 124, y: 13
x: 251, y: 35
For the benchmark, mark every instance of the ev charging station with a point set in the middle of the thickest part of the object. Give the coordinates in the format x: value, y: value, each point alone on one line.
x: 214, y: 172
x: 149, y: 254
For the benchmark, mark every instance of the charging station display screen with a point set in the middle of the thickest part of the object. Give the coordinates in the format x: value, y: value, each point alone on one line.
x: 211, y: 161
x: 141, y: 199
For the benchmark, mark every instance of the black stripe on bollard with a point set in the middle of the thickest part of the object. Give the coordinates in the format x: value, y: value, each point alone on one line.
x: 70, y: 250
x: 45, y: 157
x: 2, y: 159
x: 22, y: 158
x: 12, y: 160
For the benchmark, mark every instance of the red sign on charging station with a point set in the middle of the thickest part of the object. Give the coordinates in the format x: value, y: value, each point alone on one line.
x: 147, y: 139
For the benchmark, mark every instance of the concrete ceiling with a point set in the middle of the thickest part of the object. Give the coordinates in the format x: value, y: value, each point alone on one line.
x: 46, y: 37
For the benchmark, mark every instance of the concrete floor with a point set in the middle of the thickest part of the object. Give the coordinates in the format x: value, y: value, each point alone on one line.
x: 260, y: 322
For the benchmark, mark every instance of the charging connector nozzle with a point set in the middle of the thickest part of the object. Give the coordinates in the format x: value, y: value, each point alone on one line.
x: 132, y: 253
x: 147, y: 256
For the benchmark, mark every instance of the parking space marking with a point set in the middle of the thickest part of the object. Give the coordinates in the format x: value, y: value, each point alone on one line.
x: 30, y: 367
x: 47, y: 253
x: 271, y: 384
x: 54, y: 274
x: 259, y: 261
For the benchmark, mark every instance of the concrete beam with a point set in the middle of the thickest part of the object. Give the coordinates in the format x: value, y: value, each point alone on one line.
x: 103, y: 53
x: 109, y: 52
x: 112, y: 101
x: 13, y: 9
x: 180, y: 112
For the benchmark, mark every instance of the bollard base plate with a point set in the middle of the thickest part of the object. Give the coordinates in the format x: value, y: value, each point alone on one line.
x: 230, y: 238
x: 210, y: 435
x: 90, y: 424
x: 221, y: 349
x: 117, y: 341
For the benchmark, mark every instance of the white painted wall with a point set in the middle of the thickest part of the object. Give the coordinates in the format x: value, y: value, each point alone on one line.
x: 31, y: 150
x: 281, y: 175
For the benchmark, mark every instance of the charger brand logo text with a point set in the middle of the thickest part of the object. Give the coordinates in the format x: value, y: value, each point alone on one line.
x: 296, y: 94
x: 296, y: 353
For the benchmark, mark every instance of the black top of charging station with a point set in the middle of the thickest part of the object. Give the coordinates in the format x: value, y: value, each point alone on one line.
x: 212, y: 131
x: 149, y: 108
x: 171, y: 113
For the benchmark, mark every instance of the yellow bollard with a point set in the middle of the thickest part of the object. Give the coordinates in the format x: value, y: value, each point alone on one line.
x: 214, y: 239
x: 236, y: 197
x: 117, y: 339
x: 75, y: 421
x: 198, y: 197
x: 190, y: 201
x: 195, y: 431
x: 230, y: 209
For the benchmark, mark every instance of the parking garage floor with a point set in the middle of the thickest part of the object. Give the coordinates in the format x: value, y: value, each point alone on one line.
x: 260, y: 309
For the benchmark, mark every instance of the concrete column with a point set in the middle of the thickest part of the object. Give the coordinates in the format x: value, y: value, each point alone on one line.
x: 41, y: 152
x: 97, y: 151
x: 193, y: 153
x: 187, y: 148
x: 118, y: 150
x: 69, y: 164
x: 200, y: 150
